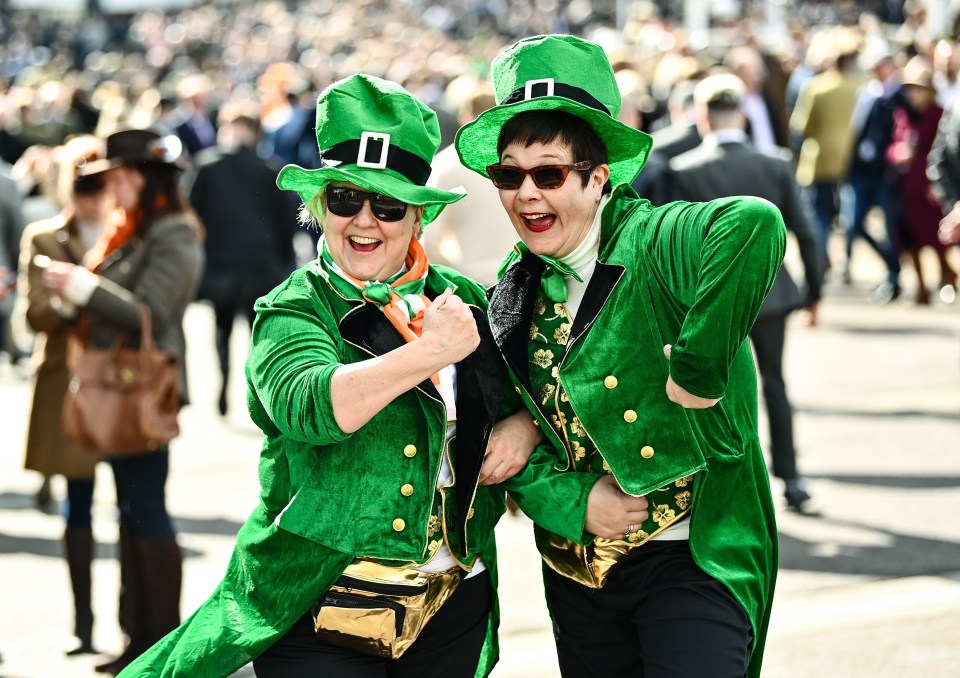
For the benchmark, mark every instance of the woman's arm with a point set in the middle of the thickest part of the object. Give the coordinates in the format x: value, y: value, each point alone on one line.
x: 297, y: 375
x: 168, y: 278
x: 718, y: 258
x: 360, y: 390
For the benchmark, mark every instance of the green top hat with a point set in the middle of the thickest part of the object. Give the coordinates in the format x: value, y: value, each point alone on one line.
x: 375, y: 134
x: 555, y: 72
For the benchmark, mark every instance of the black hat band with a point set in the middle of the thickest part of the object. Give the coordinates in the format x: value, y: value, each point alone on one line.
x: 548, y: 87
x: 375, y: 151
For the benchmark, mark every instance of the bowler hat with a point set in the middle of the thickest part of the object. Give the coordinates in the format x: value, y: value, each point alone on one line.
x: 375, y: 134
x: 135, y: 147
x: 556, y: 72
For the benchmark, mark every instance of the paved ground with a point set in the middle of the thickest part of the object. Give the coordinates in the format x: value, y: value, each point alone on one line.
x: 871, y: 587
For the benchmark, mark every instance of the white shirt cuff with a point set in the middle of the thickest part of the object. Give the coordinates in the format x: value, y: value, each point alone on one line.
x: 80, y: 286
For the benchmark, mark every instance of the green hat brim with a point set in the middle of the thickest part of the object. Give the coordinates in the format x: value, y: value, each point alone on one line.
x: 627, y: 148
x: 309, y: 182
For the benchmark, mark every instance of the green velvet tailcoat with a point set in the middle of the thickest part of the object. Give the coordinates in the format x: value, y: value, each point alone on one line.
x: 692, y: 275
x: 327, y: 496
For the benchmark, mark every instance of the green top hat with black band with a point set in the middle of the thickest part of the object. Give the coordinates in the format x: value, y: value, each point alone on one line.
x: 556, y: 72
x: 375, y: 134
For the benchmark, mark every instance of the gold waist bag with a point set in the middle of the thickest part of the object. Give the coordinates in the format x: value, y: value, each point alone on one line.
x: 380, y: 610
x: 586, y: 565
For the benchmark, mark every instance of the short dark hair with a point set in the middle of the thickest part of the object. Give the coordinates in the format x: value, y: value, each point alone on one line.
x: 546, y: 127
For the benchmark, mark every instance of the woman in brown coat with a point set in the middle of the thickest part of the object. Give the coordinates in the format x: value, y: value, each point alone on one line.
x: 65, y: 237
x: 151, y: 257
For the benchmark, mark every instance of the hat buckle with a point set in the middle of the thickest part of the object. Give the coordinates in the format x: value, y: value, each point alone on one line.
x: 529, y: 85
x: 365, y: 138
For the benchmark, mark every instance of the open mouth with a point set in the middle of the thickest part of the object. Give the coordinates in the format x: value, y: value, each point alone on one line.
x: 538, y: 222
x: 361, y: 244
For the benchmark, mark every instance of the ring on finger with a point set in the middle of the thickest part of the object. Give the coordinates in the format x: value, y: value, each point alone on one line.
x: 629, y: 530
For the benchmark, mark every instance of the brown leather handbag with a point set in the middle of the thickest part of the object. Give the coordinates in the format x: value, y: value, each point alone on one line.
x: 124, y: 401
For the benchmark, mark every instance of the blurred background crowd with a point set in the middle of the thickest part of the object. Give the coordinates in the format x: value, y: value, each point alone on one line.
x: 861, y: 97
x: 90, y: 69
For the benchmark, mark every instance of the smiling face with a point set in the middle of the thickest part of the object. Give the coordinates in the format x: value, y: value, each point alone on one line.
x: 551, y: 221
x: 366, y: 247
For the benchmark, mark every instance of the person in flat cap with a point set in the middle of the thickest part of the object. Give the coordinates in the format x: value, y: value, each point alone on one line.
x: 150, y: 255
x: 390, y: 434
x: 624, y: 329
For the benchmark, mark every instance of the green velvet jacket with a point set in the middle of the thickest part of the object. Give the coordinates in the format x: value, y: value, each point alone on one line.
x: 327, y: 496
x: 692, y: 275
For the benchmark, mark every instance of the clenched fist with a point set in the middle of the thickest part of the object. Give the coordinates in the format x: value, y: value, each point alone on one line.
x: 449, y: 329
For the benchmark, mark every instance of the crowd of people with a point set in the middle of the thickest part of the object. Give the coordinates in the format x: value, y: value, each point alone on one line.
x: 168, y: 157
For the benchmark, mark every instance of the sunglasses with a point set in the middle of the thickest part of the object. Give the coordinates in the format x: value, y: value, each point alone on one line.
x: 347, y: 202
x: 510, y: 178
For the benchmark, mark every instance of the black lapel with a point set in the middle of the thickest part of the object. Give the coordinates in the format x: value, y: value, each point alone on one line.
x: 479, y: 378
x: 367, y: 327
x: 604, y: 279
x: 511, y: 310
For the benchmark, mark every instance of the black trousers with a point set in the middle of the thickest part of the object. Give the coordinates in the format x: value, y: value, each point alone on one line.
x: 448, y: 646
x: 768, y: 336
x: 658, y: 616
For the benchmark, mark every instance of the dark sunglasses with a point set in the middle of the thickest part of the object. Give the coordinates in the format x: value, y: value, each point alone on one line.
x: 347, y: 202
x: 510, y: 178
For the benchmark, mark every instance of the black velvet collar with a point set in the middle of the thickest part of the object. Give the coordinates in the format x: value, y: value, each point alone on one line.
x: 511, y: 308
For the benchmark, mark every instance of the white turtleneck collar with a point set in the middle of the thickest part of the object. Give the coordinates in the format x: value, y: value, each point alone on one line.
x: 583, y: 260
x: 585, y: 254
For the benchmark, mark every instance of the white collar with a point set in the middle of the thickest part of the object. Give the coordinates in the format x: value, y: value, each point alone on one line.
x: 585, y: 254
x: 726, y: 136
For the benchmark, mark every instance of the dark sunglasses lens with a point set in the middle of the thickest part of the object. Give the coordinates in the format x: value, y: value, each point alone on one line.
x: 549, y: 177
x: 507, y: 178
x: 388, y: 209
x: 344, y: 202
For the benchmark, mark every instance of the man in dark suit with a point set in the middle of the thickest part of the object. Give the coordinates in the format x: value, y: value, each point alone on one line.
x: 194, y: 124
x: 727, y: 164
x: 249, y: 225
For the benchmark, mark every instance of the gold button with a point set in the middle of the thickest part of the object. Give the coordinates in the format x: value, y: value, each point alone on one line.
x: 629, y: 416
x: 469, y: 514
x: 410, y: 451
x: 646, y: 451
x: 610, y: 382
x: 406, y: 490
x: 399, y: 524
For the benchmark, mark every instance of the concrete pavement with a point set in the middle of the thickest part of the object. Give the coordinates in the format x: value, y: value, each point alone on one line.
x: 871, y: 587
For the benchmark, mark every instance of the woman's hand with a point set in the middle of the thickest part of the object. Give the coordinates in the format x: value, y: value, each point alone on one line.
x: 510, y: 445
x: 56, y: 276
x: 449, y: 329
x: 680, y: 396
x: 611, y: 513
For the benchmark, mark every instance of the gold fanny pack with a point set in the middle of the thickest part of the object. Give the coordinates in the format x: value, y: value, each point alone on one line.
x: 380, y: 610
x: 587, y: 565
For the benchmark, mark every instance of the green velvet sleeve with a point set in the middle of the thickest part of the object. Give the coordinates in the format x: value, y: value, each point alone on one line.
x: 720, y: 259
x: 293, y: 356
x: 554, y: 500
